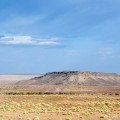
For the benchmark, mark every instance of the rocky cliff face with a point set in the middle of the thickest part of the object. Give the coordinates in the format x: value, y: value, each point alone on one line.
x: 75, y: 78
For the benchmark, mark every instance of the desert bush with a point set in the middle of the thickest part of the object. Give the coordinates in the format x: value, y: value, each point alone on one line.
x: 116, y: 93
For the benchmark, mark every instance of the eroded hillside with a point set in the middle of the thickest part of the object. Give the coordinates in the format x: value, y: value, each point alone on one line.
x: 75, y: 78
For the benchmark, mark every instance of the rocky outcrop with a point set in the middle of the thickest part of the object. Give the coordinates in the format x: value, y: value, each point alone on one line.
x: 75, y: 78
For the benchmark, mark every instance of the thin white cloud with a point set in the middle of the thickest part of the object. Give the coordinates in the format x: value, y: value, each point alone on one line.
x: 27, y: 40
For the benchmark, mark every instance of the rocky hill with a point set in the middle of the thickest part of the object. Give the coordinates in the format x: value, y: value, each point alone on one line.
x: 75, y: 78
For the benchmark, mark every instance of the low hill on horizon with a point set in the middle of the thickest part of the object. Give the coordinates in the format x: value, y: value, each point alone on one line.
x: 74, y: 78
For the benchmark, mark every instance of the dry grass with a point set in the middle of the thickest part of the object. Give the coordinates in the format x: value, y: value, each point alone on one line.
x: 60, y: 107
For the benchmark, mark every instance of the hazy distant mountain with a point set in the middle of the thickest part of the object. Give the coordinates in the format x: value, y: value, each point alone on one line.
x: 75, y: 78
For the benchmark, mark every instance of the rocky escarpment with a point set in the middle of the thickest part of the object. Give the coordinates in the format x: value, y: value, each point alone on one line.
x: 75, y: 78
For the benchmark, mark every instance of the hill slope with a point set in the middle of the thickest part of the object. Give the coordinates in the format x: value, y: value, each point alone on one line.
x: 75, y: 78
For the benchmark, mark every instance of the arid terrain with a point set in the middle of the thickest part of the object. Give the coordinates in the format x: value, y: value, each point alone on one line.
x: 60, y: 107
x: 11, y: 79
x: 69, y: 100
x: 75, y: 78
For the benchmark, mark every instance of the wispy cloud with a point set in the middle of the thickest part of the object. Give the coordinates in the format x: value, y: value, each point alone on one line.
x: 27, y: 40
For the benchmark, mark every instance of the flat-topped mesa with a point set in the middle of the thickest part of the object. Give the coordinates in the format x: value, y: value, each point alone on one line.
x: 58, y: 73
x: 62, y: 72
x: 75, y: 78
x: 78, y: 73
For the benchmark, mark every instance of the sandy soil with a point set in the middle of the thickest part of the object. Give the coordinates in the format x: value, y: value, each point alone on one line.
x: 60, y: 107
x: 87, y: 103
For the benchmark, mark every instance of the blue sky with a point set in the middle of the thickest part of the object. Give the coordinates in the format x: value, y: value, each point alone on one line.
x: 39, y: 36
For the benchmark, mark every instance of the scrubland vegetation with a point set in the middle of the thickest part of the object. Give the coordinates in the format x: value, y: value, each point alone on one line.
x: 33, y: 106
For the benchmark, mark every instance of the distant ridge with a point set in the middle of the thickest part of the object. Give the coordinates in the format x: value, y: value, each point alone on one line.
x: 75, y: 78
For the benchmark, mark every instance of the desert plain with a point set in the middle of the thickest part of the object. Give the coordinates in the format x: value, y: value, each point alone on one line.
x: 58, y: 102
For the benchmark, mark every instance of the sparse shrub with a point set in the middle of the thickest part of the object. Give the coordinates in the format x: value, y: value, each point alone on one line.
x: 116, y: 93
x: 67, y: 119
x: 106, y: 103
x: 36, y: 118
x: 102, y: 117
